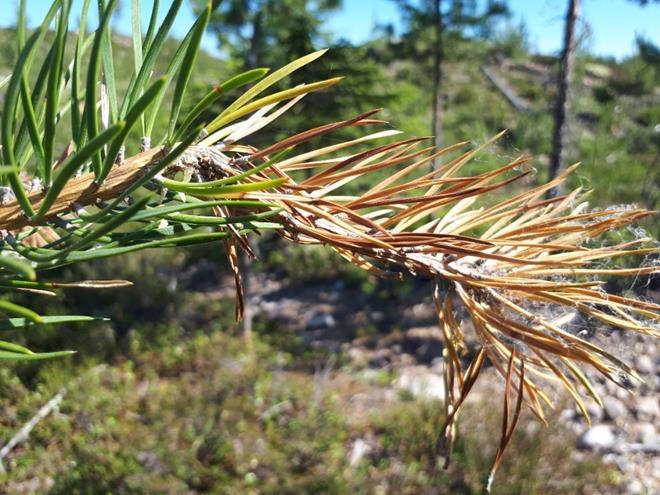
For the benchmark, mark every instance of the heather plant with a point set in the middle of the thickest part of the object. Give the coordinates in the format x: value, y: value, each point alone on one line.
x: 523, y: 267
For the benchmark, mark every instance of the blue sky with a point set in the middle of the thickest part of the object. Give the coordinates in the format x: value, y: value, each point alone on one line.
x: 613, y: 23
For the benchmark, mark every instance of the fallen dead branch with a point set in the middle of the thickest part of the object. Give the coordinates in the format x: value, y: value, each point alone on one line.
x: 24, y: 433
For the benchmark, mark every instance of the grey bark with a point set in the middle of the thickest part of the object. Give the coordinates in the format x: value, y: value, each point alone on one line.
x: 560, y: 137
x: 438, y: 54
x: 252, y: 60
x: 501, y: 85
x: 253, y: 56
x: 24, y: 433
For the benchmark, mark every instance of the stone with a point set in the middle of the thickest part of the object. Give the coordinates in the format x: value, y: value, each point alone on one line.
x: 429, y: 350
x: 377, y: 316
x: 406, y: 359
x: 655, y: 463
x: 599, y: 437
x: 380, y: 358
x: 438, y: 365
x: 611, y: 387
x: 359, y: 450
x: 614, y: 408
x: 567, y: 415
x: 153, y: 463
x: 647, y: 408
x: 635, y: 487
x: 358, y: 357
x: 624, y: 395
x: 321, y: 320
x: 421, y: 383
x: 646, y: 434
x: 644, y: 364
x: 593, y: 409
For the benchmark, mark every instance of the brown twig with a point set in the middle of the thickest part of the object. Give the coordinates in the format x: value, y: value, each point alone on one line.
x: 83, y: 191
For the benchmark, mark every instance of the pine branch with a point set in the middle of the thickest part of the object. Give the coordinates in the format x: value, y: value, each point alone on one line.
x: 82, y: 191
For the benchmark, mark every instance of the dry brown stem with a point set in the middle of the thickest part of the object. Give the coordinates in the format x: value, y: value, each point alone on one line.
x: 82, y: 191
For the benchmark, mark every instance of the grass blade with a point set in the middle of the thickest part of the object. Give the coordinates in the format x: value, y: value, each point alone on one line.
x: 16, y: 309
x: 49, y: 255
x: 93, y: 74
x: 136, y: 31
x: 33, y: 129
x: 276, y: 76
x: 76, y: 119
x: 17, y: 323
x: 230, y: 84
x: 16, y: 356
x: 109, y: 70
x: 21, y: 23
x: 137, y: 85
x: 204, y: 190
x: 132, y: 118
x: 188, y: 63
x: 53, y: 89
x: 15, y: 348
x: 163, y: 211
x: 228, y: 117
x: 18, y: 267
x: 75, y: 161
x: 151, y: 29
x: 9, y: 112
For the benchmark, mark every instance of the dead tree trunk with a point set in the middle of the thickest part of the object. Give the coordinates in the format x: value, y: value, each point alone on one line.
x: 563, y: 103
x: 254, y: 53
x: 438, y: 55
x: 253, y: 59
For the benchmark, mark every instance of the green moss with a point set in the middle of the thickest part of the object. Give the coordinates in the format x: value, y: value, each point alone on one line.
x: 225, y: 418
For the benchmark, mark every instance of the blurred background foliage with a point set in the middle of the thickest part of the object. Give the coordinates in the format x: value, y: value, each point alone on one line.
x: 166, y: 397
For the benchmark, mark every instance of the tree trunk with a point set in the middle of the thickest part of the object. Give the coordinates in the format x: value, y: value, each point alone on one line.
x: 253, y: 59
x: 563, y: 103
x: 438, y: 54
x: 254, y: 53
